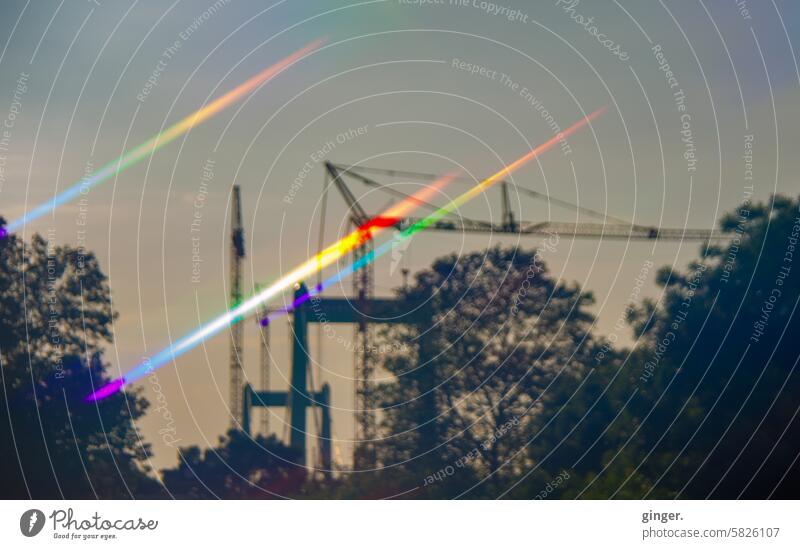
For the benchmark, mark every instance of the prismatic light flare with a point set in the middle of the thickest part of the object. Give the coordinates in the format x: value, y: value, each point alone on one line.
x: 335, y: 251
x: 309, y: 267
x: 150, y: 146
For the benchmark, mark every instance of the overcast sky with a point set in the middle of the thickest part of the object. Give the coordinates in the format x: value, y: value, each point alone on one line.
x: 96, y: 78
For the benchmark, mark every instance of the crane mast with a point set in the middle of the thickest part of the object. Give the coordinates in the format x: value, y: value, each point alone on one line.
x: 237, y: 328
x: 363, y: 284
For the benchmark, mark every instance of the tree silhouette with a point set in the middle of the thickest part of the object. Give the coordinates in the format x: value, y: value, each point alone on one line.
x: 497, y: 331
x: 705, y: 405
x: 55, y: 319
x: 727, y: 423
x: 240, y: 467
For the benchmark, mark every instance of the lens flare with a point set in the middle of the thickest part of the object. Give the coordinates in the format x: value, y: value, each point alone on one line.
x: 159, y: 140
x: 320, y: 261
x: 326, y: 257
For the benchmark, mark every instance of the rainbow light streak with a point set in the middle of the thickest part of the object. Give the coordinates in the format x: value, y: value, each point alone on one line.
x: 153, y: 144
x: 333, y: 252
x: 320, y: 261
x: 430, y: 219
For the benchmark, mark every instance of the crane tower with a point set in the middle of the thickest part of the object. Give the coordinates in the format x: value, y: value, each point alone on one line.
x: 237, y: 328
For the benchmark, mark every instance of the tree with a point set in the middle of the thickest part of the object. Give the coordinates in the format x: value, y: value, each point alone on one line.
x: 727, y: 424
x: 55, y: 317
x: 705, y: 405
x: 240, y: 467
x: 471, y: 376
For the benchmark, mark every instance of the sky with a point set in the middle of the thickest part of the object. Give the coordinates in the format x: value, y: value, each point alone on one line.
x: 405, y: 85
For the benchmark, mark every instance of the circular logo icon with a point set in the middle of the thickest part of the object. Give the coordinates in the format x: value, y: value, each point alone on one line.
x: 31, y: 522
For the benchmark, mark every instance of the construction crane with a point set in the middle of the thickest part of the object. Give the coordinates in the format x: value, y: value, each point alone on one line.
x: 237, y: 328
x: 363, y: 287
x: 611, y: 227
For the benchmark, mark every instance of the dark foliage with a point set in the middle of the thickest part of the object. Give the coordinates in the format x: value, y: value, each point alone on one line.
x: 470, y: 379
x: 54, y: 317
x: 706, y: 405
x: 240, y: 467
